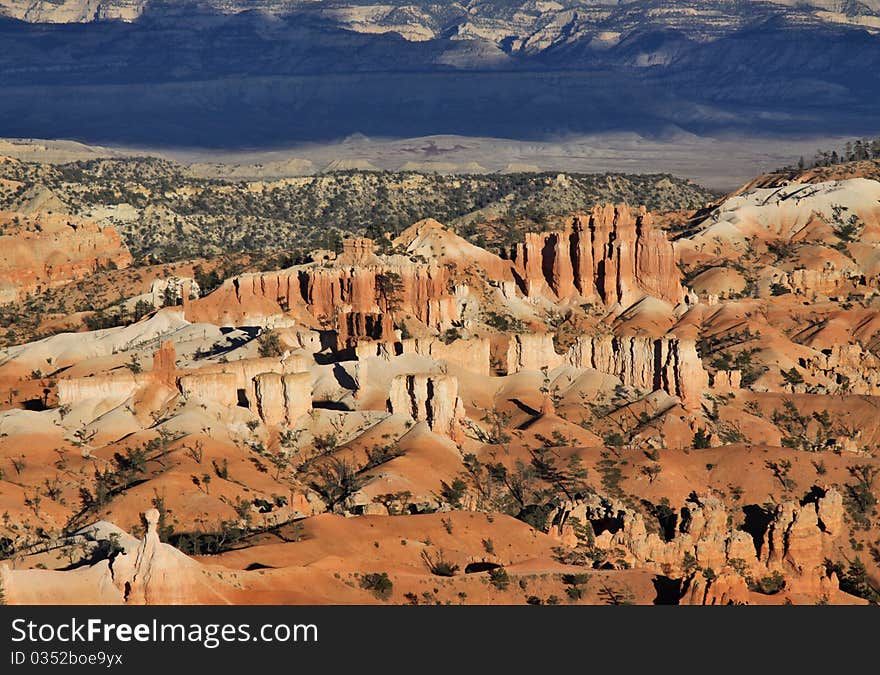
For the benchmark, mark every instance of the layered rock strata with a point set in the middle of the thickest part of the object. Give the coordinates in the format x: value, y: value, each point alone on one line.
x: 359, y: 302
x: 531, y: 351
x: 118, y: 386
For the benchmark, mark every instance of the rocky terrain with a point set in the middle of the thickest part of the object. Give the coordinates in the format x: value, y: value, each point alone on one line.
x: 50, y: 250
x: 625, y: 405
x: 166, y: 211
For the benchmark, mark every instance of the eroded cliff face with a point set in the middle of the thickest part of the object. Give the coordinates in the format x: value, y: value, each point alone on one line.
x: 278, y: 390
x: 116, y: 387
x: 235, y: 382
x: 795, y: 543
x: 216, y: 388
x: 249, y: 298
x: 610, y: 256
x: 43, y: 251
x: 429, y: 398
x: 354, y: 327
x: 356, y: 295
x: 667, y: 364
x: 395, y: 289
x: 531, y: 351
x: 173, y: 289
x: 471, y: 354
x: 283, y: 399
x: 113, y: 388
x: 358, y: 251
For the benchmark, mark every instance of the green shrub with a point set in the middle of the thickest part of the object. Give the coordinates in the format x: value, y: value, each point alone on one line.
x: 499, y: 578
x: 858, y: 497
x: 792, y: 377
x: 226, y: 537
x: 575, y: 579
x: 574, y: 593
x: 269, y: 344
x: 854, y: 580
x: 439, y: 566
x: 378, y: 584
x: 336, y: 481
x: 769, y: 585
x: 504, y: 323
x: 701, y: 440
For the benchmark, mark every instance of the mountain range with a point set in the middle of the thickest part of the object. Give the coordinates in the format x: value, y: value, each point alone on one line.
x: 226, y: 74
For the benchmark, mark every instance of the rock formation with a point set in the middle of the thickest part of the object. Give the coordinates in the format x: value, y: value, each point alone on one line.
x: 727, y: 381
x: 278, y: 390
x: 116, y: 387
x: 405, y: 288
x: 113, y: 388
x: 248, y: 299
x: 726, y: 588
x: 357, y: 251
x: 216, y: 388
x: 155, y: 573
x: 531, y: 351
x: 824, y: 282
x: 165, y: 363
x: 243, y: 373
x: 353, y: 327
x: 359, y: 302
x: 174, y: 289
x: 49, y: 250
x: 839, y: 369
x: 429, y: 398
x: 429, y: 240
x: 283, y: 399
x: 468, y: 353
x: 798, y: 540
x: 668, y: 363
x: 610, y: 257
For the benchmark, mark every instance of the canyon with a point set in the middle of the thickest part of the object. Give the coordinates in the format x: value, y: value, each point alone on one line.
x: 620, y: 406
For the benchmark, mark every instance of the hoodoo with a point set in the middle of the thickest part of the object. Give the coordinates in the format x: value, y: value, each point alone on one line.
x: 599, y: 412
x: 609, y: 256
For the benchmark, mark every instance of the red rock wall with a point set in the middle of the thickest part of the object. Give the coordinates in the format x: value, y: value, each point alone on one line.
x: 610, y: 256
x: 322, y: 296
x: 351, y: 327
